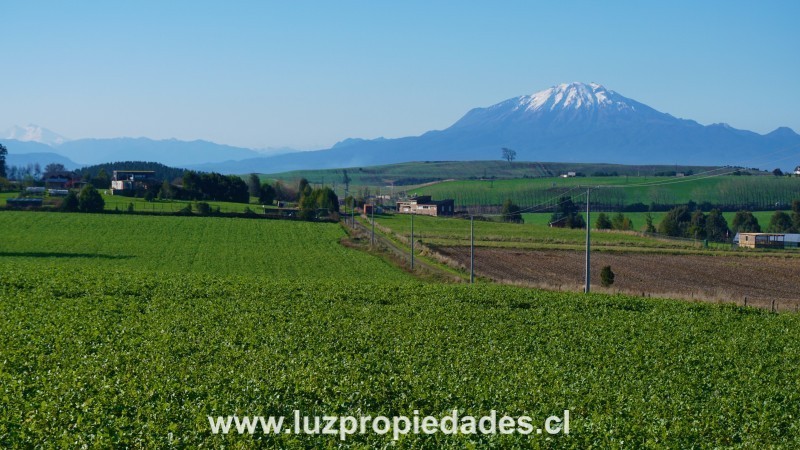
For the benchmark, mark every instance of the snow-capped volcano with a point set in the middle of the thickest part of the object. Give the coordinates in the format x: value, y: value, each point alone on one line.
x: 578, y: 106
x: 574, y: 96
x: 34, y: 133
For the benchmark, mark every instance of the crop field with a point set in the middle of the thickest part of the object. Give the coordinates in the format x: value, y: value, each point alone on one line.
x: 122, y: 203
x: 761, y: 191
x: 129, y: 331
x: 455, y: 231
x: 263, y: 248
x: 122, y: 358
x: 405, y: 176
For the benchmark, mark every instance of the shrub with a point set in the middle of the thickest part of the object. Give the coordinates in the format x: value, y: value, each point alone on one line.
x: 203, y: 208
x: 69, y: 203
x: 89, y: 200
x: 602, y: 222
x: 606, y: 276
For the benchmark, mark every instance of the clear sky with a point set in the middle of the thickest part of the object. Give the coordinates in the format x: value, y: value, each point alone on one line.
x: 308, y: 74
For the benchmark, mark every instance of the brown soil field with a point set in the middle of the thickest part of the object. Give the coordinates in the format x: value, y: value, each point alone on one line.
x: 728, y: 279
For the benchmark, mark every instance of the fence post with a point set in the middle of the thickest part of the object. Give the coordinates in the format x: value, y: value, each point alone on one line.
x: 412, y: 241
x: 471, y: 249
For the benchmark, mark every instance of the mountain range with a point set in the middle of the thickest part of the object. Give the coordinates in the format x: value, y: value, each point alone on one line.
x: 571, y: 122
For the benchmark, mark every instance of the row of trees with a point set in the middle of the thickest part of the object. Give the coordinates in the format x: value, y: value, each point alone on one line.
x: 314, y: 200
x: 214, y: 186
x: 683, y: 222
x: 617, y: 222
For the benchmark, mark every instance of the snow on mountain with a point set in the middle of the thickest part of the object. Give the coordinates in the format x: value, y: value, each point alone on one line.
x: 574, y: 96
x: 34, y: 133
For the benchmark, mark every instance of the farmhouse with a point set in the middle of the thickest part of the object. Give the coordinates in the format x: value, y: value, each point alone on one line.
x: 58, y: 181
x: 424, y: 205
x: 126, y: 181
x: 766, y: 240
x: 797, y: 171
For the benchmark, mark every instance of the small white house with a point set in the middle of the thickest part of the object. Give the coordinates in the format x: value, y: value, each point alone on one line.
x: 797, y: 171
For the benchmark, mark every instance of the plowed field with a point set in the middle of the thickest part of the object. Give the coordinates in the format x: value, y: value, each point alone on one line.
x: 728, y: 279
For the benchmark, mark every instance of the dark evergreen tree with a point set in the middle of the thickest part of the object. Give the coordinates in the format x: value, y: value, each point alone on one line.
x: 717, y: 227
x: 602, y: 222
x: 566, y: 214
x: 780, y: 222
x: 697, y: 225
x: 89, y: 200
x: 69, y: 203
x: 3, y: 154
x: 511, y: 212
x: 676, y: 222
x: 266, y: 194
x: 254, y: 185
x: 745, y: 222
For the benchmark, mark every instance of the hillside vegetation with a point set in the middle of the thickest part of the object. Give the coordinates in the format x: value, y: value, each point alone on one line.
x: 753, y: 192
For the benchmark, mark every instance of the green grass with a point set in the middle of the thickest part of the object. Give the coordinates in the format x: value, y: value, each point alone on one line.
x: 403, y: 175
x: 760, y: 191
x: 126, y: 331
x: 121, y: 203
x: 121, y: 358
x: 531, y: 234
x: 118, y: 202
x: 263, y: 248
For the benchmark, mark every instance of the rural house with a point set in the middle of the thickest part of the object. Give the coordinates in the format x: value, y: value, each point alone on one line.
x: 128, y: 181
x: 766, y: 240
x: 424, y: 205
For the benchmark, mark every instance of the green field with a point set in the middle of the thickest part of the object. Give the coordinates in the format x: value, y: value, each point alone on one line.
x: 761, y: 191
x: 128, y: 359
x: 531, y: 234
x: 122, y: 203
x: 266, y: 249
x: 403, y: 175
x: 126, y: 331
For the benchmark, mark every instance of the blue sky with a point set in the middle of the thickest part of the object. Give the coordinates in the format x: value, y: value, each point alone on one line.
x: 308, y: 74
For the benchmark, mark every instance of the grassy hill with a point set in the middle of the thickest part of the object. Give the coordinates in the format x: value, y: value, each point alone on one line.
x: 414, y: 173
x: 762, y: 192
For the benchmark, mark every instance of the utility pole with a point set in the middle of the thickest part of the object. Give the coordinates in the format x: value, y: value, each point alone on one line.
x: 412, y: 241
x: 588, y: 238
x: 373, y: 223
x: 471, y: 249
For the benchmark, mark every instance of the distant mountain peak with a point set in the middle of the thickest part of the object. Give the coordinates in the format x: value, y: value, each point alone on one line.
x: 573, y: 96
x: 34, y: 133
